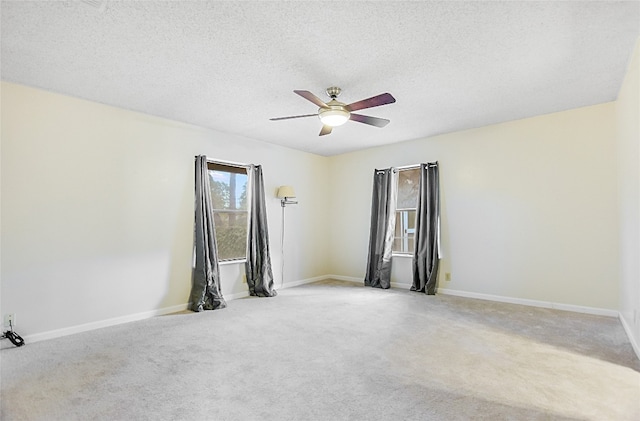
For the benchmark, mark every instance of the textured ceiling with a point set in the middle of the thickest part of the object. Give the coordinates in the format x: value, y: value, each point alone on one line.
x: 231, y: 66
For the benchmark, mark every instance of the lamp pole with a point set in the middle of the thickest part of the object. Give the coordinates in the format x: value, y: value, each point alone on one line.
x: 286, y: 194
x: 282, y: 249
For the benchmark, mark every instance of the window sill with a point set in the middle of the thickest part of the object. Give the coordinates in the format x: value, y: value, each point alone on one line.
x: 232, y: 262
x: 405, y: 255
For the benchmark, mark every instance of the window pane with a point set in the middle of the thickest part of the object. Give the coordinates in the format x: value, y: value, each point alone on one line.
x: 404, y: 231
x: 231, y: 234
x: 228, y: 190
x: 408, y: 181
x: 403, y: 245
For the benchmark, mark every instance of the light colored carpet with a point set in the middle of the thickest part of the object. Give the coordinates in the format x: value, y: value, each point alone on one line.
x: 333, y: 351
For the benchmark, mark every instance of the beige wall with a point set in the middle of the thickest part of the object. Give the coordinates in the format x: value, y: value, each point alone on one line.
x: 97, y: 209
x: 628, y: 136
x: 529, y: 207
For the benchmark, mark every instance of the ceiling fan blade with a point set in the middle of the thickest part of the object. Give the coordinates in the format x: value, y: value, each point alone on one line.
x: 372, y: 121
x: 374, y: 101
x: 325, y: 130
x: 293, y: 116
x: 311, y: 97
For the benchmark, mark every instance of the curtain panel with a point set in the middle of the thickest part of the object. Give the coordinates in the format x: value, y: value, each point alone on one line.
x: 383, y: 203
x: 205, y: 290
x: 426, y: 256
x: 258, y: 264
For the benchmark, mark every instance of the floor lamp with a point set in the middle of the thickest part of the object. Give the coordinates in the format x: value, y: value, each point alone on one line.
x: 285, y: 194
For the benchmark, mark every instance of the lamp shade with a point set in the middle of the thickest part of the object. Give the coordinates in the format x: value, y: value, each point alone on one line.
x: 286, y: 191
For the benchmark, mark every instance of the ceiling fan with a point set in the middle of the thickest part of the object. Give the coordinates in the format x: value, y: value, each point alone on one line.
x: 335, y: 113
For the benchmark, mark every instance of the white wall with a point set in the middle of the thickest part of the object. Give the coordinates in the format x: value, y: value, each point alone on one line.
x: 97, y: 209
x: 529, y: 207
x: 628, y: 136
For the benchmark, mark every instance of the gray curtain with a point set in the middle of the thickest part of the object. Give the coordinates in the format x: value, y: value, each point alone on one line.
x: 383, y: 215
x: 258, y: 265
x: 426, y: 251
x: 205, y: 291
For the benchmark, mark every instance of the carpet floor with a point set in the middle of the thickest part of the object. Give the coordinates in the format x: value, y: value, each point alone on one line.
x: 333, y: 350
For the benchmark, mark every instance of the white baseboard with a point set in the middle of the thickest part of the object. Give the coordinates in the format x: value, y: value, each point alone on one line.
x: 229, y: 297
x: 629, y: 333
x: 277, y: 286
x: 522, y: 301
x: 360, y: 281
x: 235, y: 296
x: 103, y: 323
x: 52, y: 334
x: 345, y: 278
x: 532, y: 303
x: 118, y: 320
x: 498, y: 298
x: 290, y: 284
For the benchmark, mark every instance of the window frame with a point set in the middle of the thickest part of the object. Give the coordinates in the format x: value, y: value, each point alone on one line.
x: 223, y: 167
x: 398, y: 212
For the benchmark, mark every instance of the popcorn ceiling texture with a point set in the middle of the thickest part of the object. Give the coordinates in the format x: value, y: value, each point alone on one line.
x: 231, y: 66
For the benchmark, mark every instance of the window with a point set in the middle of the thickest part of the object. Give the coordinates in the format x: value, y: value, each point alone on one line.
x: 229, y: 200
x: 407, y: 201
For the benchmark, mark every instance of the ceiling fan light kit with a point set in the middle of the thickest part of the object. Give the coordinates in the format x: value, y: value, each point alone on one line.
x: 334, y: 116
x: 335, y: 113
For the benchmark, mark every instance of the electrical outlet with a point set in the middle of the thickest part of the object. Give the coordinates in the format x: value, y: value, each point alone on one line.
x: 9, y: 320
x: 447, y: 276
